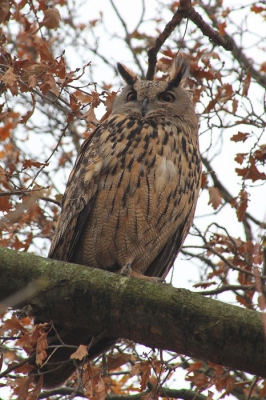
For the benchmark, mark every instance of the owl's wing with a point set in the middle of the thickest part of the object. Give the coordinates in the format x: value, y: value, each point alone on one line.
x: 163, y: 262
x: 78, y: 199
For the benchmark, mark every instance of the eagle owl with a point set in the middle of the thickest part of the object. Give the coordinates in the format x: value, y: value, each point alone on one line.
x: 131, y: 197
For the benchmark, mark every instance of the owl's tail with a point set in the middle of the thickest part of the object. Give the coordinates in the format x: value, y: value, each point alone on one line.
x: 58, y: 366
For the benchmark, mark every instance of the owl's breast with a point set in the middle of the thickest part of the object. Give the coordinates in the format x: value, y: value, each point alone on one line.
x: 146, y: 188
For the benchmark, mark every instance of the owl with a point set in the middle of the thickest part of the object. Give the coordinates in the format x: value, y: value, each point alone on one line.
x: 131, y: 196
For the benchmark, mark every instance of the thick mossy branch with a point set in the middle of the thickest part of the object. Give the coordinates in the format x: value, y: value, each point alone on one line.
x: 153, y: 314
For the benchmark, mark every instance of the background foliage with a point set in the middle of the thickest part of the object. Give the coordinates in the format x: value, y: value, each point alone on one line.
x: 58, y: 81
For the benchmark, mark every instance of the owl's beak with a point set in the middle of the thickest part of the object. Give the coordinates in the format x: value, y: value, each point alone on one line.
x: 144, y: 106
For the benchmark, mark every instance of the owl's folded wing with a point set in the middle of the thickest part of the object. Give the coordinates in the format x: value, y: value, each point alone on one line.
x: 77, y: 201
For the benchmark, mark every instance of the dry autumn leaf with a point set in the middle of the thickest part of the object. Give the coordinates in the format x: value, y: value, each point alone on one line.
x: 9, y: 78
x: 4, y: 9
x: 108, y: 103
x: 251, y: 172
x: 51, y: 18
x: 204, y: 180
x: 27, y: 116
x: 215, y: 197
x: 116, y: 361
x: 80, y: 353
x: 242, y: 205
x: 24, y: 390
x: 260, y: 154
x: 240, y: 137
x: 31, y: 163
x: 240, y: 157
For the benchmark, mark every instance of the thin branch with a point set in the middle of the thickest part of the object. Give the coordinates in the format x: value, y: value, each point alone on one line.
x: 225, y: 41
x: 236, y: 50
x: 225, y: 288
x: 226, y: 194
x: 181, y: 13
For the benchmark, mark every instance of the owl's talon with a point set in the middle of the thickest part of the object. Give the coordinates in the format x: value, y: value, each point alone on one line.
x: 126, y: 270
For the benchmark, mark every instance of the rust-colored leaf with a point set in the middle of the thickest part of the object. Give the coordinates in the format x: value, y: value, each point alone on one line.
x: 221, y: 28
x: 109, y: 101
x: 27, y: 116
x: 32, y: 81
x: 34, y: 394
x: 83, y: 97
x: 242, y: 205
x: 234, y: 105
x: 199, y: 379
x: 51, y: 18
x: 49, y: 83
x: 30, y: 163
x: 246, y: 84
x: 99, y: 390
x: 24, y: 390
x: 90, y: 116
x: 240, y: 137
x: 251, y: 172
x: 260, y: 154
x: 257, y: 9
x: 144, y: 369
x: 9, y: 78
x: 204, y: 180
x: 240, y: 157
x: 4, y: 10
x: 41, y: 347
x: 5, y: 204
x: 14, y: 324
x: 80, y: 353
x: 116, y: 361
x: 44, y: 50
x: 215, y: 197
x: 194, y: 366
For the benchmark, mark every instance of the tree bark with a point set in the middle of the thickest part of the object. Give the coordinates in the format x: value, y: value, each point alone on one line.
x: 153, y: 314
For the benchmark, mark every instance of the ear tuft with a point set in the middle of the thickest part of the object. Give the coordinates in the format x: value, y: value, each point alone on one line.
x: 129, y: 77
x: 180, y: 70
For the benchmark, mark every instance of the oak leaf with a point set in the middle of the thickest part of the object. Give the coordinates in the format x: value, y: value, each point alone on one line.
x: 51, y: 18
x: 117, y: 360
x: 215, y: 197
x: 251, y: 172
x: 240, y: 137
x: 260, y: 154
x: 80, y: 353
x: 9, y: 78
x: 240, y: 157
x: 242, y: 205
x: 29, y: 113
x: 30, y: 163
x: 4, y: 9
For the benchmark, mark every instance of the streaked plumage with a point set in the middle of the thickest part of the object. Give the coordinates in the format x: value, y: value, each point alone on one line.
x: 131, y: 196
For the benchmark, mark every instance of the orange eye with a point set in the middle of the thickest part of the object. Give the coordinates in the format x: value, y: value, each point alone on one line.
x: 132, y: 96
x: 166, y: 96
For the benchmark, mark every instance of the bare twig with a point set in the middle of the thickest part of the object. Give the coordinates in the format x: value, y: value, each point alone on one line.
x: 225, y: 41
x: 181, y: 13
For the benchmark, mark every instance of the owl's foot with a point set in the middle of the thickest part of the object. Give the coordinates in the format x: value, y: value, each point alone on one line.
x: 126, y: 270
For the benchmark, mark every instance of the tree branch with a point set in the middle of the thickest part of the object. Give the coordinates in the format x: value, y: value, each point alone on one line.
x: 152, y: 314
x: 185, y: 11
x: 169, y: 27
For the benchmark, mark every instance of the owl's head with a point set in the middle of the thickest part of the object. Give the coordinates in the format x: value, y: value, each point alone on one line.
x: 148, y: 99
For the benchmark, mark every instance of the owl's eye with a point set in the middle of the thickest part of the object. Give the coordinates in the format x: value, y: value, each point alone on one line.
x: 132, y: 96
x: 166, y: 96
